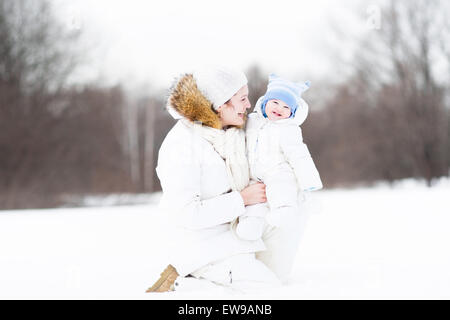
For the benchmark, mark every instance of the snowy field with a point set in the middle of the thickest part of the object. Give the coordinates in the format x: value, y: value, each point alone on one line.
x: 378, y: 243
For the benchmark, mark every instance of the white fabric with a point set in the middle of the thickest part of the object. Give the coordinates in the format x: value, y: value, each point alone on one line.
x: 195, y: 183
x: 271, y: 268
x: 283, y: 198
x: 242, y: 273
x: 191, y: 284
x: 279, y: 158
x: 197, y: 200
x: 250, y: 227
x: 219, y: 83
x: 271, y: 144
x: 230, y: 144
x: 282, y: 242
x: 282, y: 193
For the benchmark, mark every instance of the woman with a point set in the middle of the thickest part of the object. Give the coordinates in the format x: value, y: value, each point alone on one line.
x: 204, y: 177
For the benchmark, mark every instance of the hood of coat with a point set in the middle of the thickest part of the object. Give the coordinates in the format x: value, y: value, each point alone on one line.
x: 186, y: 101
x: 298, y: 119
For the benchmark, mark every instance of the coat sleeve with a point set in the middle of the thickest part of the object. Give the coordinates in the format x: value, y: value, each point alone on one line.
x: 299, y: 158
x: 180, y: 177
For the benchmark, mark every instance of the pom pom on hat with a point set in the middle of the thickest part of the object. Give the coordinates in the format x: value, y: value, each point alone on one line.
x: 219, y: 83
x: 285, y: 90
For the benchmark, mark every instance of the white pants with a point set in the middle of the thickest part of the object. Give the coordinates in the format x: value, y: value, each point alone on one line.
x: 265, y: 269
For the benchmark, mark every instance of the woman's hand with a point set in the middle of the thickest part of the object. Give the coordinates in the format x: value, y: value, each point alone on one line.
x: 253, y: 194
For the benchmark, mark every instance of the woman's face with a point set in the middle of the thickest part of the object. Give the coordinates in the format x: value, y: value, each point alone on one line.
x: 233, y: 111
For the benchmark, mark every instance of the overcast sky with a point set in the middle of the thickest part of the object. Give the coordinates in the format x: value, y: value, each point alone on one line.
x: 151, y: 42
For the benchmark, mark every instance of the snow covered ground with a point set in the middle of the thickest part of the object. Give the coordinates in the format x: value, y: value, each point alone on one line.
x: 378, y: 243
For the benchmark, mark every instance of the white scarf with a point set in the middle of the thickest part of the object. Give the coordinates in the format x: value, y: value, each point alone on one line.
x: 230, y: 145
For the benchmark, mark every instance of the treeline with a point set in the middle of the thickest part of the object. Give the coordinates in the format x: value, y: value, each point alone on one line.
x: 83, y: 141
x: 389, y: 120
x: 59, y: 140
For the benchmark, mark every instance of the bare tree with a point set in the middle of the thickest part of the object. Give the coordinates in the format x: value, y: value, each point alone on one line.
x: 390, y: 119
x: 415, y: 52
x: 55, y: 139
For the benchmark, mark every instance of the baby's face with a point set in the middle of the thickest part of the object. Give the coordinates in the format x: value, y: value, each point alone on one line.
x: 277, y: 110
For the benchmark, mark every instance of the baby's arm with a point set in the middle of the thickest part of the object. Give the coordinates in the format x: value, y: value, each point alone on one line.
x: 299, y: 158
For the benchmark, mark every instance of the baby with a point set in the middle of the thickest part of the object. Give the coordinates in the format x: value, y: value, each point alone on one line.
x: 277, y: 156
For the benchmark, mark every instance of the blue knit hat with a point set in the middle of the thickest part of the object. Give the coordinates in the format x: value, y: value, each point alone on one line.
x: 287, y: 91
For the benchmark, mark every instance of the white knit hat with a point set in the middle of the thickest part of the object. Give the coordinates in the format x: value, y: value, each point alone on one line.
x: 218, y: 84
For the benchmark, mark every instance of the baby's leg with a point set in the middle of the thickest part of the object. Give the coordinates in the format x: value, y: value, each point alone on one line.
x: 282, y: 195
x: 251, y: 225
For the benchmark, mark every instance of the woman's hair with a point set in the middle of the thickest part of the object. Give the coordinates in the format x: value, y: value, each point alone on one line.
x: 214, y: 110
x: 230, y: 126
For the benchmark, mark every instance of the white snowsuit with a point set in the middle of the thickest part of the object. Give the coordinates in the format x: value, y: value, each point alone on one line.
x: 197, y: 198
x: 279, y: 158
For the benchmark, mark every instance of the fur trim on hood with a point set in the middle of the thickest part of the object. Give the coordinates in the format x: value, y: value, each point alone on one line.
x: 186, y: 101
